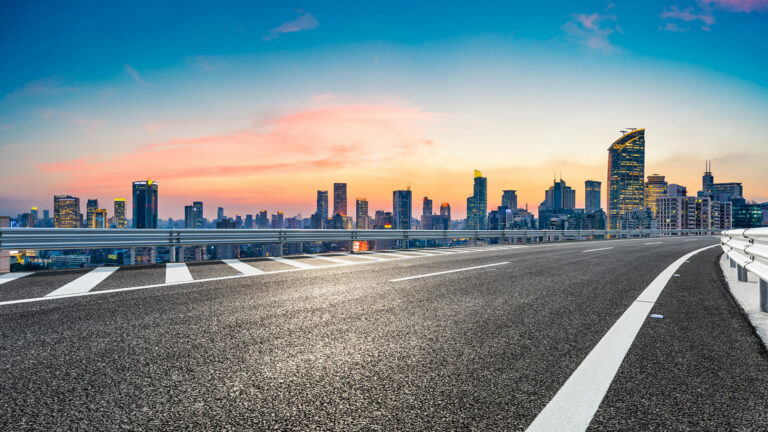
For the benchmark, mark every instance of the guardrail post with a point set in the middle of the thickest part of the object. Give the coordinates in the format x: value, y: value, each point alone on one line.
x: 741, y: 273
x: 5, y: 256
x: 763, y: 295
x: 133, y: 256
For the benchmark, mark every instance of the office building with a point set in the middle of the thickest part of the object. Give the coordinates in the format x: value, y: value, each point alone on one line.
x: 99, y: 219
x: 340, y: 199
x: 66, y: 211
x: 248, y: 222
x: 426, y: 213
x: 683, y: 212
x: 119, y: 213
x: 91, y: 206
x: 592, y: 196
x: 746, y: 214
x: 278, y: 220
x: 145, y: 204
x: 220, y: 214
x: 559, y: 197
x: 626, y: 170
x: 322, y: 208
x: 361, y: 213
x: 722, y: 215
x: 509, y: 199
x: 655, y: 187
x: 193, y: 216
x: 263, y: 221
x: 676, y: 190
x: 477, y: 204
x: 401, y: 209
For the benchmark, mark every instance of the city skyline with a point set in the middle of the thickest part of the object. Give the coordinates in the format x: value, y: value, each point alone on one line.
x: 350, y: 98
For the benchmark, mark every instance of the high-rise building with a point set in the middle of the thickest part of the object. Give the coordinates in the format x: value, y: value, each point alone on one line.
x: 626, y: 170
x: 322, y: 205
x: 340, y: 199
x: 676, y: 190
x: 426, y: 213
x: 263, y: 221
x: 278, y: 220
x: 35, y: 216
x: 200, y: 222
x: 220, y: 214
x: 119, y: 216
x: 592, y: 196
x: 707, y: 180
x: 683, y: 212
x: 477, y: 204
x: 145, y: 204
x: 559, y: 197
x: 655, y: 187
x: 99, y: 219
x: 509, y: 199
x: 401, y: 209
x: 66, y: 211
x: 192, y: 217
x: 722, y: 215
x: 361, y: 213
x: 91, y: 206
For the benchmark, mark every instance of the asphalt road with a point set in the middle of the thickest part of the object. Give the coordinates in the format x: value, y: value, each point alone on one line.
x: 347, y: 348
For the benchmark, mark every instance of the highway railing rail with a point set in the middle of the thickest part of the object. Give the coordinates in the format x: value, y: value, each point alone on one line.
x: 747, y: 250
x: 62, y: 239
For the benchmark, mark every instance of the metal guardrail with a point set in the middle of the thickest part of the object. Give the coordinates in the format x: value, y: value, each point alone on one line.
x: 747, y: 250
x: 62, y: 239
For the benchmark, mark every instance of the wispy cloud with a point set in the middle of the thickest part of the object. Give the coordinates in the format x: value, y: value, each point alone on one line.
x: 593, y: 31
x: 305, y: 21
x: 691, y: 14
x: 741, y: 5
x: 78, y: 120
x: 133, y: 73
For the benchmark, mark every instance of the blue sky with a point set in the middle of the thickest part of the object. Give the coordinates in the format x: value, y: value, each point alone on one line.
x: 526, y: 83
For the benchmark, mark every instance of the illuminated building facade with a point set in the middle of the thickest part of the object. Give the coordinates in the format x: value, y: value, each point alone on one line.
x: 66, y: 211
x: 683, y: 212
x: 626, y: 170
x: 426, y: 213
x: 119, y: 217
x: 401, y: 209
x: 99, y: 219
x: 90, y: 207
x: 145, y: 204
x: 655, y: 187
x: 477, y: 204
x: 592, y: 196
x: 361, y: 213
x: 322, y: 205
x: 340, y: 199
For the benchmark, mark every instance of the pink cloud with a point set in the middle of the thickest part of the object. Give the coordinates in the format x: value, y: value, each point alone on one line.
x: 592, y: 30
x: 741, y: 5
x: 305, y: 21
x: 687, y: 15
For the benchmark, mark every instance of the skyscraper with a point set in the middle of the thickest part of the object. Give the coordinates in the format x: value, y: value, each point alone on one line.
x: 99, y: 219
x: 91, y: 206
x: 220, y: 214
x: 509, y: 199
x: 592, y: 196
x: 626, y: 170
x: 655, y: 187
x: 66, y: 211
x: 477, y: 204
x: 193, y: 215
x: 426, y: 213
x: 322, y: 205
x: 559, y: 197
x: 401, y: 209
x: 119, y: 216
x: 145, y: 204
x: 198, y: 205
x: 361, y: 213
x: 340, y: 199
x: 707, y: 180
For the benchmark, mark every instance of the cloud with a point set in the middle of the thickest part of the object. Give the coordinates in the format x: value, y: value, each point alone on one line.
x: 689, y: 14
x: 322, y: 139
x: 133, y: 73
x: 740, y: 5
x: 593, y: 31
x: 78, y: 120
x: 305, y: 21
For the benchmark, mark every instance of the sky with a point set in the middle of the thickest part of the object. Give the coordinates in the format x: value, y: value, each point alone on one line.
x: 256, y: 105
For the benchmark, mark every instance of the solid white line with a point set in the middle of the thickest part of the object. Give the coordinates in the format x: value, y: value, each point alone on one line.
x: 595, y: 250
x: 4, y: 278
x: 242, y: 267
x: 652, y: 243
x: 332, y: 259
x: 293, y: 262
x: 575, y: 404
x: 177, y: 272
x: 85, y: 282
x: 447, y: 271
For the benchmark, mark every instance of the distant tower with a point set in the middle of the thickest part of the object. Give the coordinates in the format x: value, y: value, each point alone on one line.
x: 66, y: 211
x: 145, y: 204
x: 91, y: 206
x: 655, y: 187
x: 340, y: 199
x: 361, y: 213
x: 401, y: 209
x: 120, y: 213
x: 592, y: 196
x: 626, y: 172
x: 509, y: 199
x: 477, y: 204
x: 322, y: 205
x: 707, y: 180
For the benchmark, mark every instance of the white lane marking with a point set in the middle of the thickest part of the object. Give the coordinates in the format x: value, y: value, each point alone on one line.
x: 595, y: 250
x: 332, y: 259
x: 242, y: 267
x: 293, y: 262
x: 575, y: 404
x: 416, y: 253
x: 392, y: 255
x: 448, y: 271
x: 85, y: 282
x: 369, y: 256
x: 437, y: 251
x: 177, y: 272
x: 4, y: 278
x: 652, y: 243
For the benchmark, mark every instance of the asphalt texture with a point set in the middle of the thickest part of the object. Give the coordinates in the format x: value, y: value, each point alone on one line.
x: 345, y: 348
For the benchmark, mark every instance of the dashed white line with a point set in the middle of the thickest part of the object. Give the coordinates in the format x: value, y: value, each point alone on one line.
x: 595, y: 250
x: 85, y: 282
x: 4, y: 278
x: 652, y: 243
x: 177, y: 272
x: 332, y: 259
x: 242, y: 267
x: 448, y: 271
x: 575, y: 404
x: 293, y: 262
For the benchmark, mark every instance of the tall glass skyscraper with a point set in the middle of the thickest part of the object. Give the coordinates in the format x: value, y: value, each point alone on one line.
x: 626, y: 170
x: 361, y: 213
x: 477, y: 204
x: 66, y: 211
x: 120, y: 213
x: 90, y: 208
x: 401, y: 209
x: 322, y: 205
x: 509, y: 199
x: 145, y: 204
x: 340, y: 199
x: 655, y: 187
x: 592, y: 196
